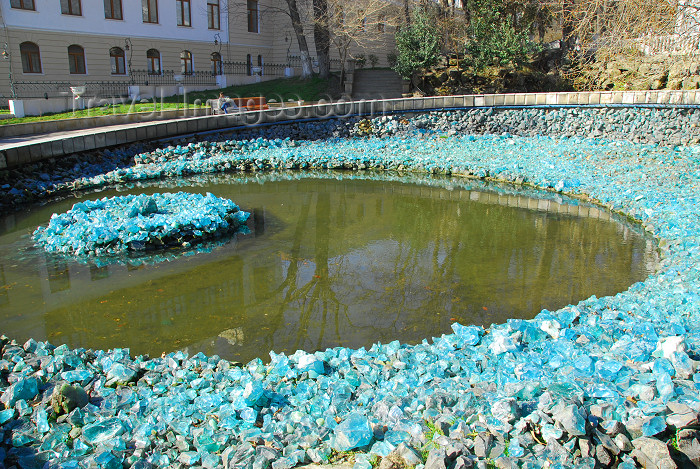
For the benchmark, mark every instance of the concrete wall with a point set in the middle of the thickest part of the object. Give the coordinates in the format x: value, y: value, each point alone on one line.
x: 38, y: 106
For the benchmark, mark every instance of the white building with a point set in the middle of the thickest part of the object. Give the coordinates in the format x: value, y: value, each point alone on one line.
x: 107, y: 45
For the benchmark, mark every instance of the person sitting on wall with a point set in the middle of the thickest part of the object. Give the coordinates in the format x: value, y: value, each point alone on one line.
x: 224, y: 103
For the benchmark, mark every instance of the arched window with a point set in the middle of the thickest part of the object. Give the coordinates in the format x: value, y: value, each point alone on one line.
x: 249, y: 65
x: 31, y: 60
x: 216, y: 65
x: 186, y: 62
x: 116, y: 59
x: 76, y: 60
x: 153, y: 57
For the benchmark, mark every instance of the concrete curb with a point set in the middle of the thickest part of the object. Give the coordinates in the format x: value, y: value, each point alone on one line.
x: 28, y: 150
x: 80, y: 123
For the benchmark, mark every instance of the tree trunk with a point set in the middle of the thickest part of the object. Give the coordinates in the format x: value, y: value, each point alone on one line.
x: 322, y: 37
x: 567, y: 28
x: 406, y: 12
x: 306, y: 67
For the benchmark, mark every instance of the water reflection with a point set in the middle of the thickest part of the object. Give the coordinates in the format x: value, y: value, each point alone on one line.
x: 333, y: 263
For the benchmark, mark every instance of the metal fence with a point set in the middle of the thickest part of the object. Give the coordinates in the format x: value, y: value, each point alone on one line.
x: 42, y: 89
x: 236, y: 68
x: 243, y: 68
x: 106, y: 89
x: 336, y: 65
x: 109, y: 89
x: 170, y: 78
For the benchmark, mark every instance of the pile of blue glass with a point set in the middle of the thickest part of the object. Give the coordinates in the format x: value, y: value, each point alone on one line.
x: 609, y: 381
x: 117, y: 225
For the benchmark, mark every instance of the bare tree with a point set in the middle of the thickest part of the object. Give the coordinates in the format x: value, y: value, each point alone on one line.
x: 360, y: 24
x: 599, y: 31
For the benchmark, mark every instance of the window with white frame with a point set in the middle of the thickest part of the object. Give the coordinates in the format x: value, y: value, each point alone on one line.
x: 149, y: 9
x: 113, y: 9
x: 117, y: 61
x: 184, y: 12
x: 213, y: 14
x: 23, y: 4
x: 31, y: 59
x: 253, y: 23
x: 186, y: 62
x: 76, y: 60
x: 71, y: 7
x: 216, y: 64
x: 153, y: 58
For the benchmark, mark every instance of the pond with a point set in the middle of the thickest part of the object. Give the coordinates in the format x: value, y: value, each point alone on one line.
x: 332, y: 259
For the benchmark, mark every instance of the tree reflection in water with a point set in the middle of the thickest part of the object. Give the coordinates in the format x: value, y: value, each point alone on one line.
x: 341, y: 263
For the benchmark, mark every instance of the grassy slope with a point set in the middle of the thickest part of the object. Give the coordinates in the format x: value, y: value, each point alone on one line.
x: 312, y: 89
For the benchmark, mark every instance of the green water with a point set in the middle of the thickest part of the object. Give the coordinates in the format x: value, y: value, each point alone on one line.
x: 327, y: 263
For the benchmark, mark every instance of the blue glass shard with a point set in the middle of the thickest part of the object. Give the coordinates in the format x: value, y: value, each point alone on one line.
x: 353, y: 432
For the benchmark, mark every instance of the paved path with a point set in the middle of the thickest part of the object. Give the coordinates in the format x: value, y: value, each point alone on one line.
x: 21, y: 140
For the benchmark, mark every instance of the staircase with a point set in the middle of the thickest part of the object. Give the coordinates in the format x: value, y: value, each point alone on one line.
x: 376, y: 84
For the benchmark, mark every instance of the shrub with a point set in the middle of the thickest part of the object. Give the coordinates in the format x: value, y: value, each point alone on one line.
x: 493, y: 41
x: 418, y: 45
x: 373, y: 60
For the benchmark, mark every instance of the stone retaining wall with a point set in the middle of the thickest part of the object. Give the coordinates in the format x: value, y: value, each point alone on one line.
x: 22, y: 153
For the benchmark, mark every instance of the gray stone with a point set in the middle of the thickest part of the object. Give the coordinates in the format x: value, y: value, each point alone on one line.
x: 651, y: 452
x: 498, y: 449
x: 267, y: 452
x: 66, y: 397
x: 482, y: 444
x: 436, y: 459
x: 505, y: 463
x: 571, y: 420
x: 682, y: 420
x: 455, y: 449
x: 556, y: 451
x: 584, y: 445
x: 463, y: 462
x: 603, y: 456
x: 634, y: 427
x: 607, y: 442
x: 678, y: 407
x: 391, y: 462
x: 407, y: 454
x: 600, y: 410
x: 614, y: 429
x: 623, y: 443
x: 505, y: 410
x: 647, y: 393
x: 689, y: 444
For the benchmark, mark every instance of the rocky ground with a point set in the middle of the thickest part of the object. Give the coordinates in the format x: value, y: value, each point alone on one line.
x: 609, y: 382
x: 646, y: 73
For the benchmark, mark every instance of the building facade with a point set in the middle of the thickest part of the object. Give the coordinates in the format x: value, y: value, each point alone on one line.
x: 50, y: 45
